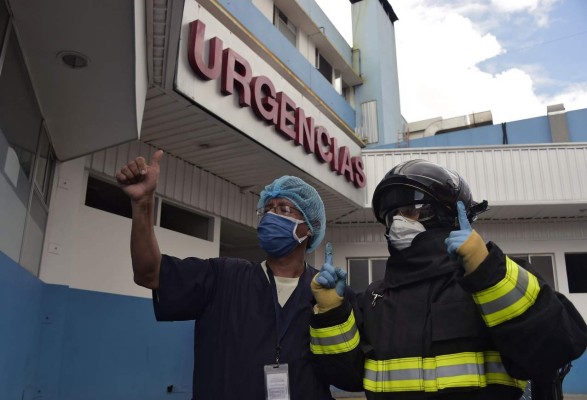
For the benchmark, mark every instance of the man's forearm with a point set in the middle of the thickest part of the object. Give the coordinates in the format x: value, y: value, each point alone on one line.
x: 144, y: 249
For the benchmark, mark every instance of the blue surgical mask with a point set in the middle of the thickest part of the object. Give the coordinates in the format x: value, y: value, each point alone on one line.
x: 277, y: 234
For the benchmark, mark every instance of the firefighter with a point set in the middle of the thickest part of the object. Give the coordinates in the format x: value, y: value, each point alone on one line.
x: 453, y: 318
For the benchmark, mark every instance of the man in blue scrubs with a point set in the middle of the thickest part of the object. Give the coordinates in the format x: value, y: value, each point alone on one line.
x: 251, y: 330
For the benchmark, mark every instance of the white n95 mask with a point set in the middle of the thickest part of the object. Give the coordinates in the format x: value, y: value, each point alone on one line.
x: 402, y: 231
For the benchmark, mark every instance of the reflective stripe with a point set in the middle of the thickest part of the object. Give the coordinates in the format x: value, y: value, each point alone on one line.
x: 335, y: 339
x: 510, y: 297
x: 432, y: 374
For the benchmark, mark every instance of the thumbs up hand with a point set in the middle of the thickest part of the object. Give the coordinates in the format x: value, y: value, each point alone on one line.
x: 139, y: 179
x: 328, y: 285
x: 466, y: 243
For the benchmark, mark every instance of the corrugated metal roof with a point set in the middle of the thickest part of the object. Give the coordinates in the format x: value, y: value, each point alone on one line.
x: 519, y: 182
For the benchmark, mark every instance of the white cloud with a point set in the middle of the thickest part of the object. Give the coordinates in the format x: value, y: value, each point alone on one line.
x: 439, y: 48
x: 539, y: 9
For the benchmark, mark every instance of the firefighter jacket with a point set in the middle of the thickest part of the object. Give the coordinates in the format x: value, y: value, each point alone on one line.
x: 428, y: 332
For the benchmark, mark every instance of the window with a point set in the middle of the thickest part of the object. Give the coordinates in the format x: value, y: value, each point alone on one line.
x: 45, y: 166
x: 289, y: 30
x: 25, y: 154
x: 323, y: 66
x: 577, y: 272
x: 369, y: 129
x: 108, y: 197
x: 184, y: 221
x: 363, y: 271
x: 4, y: 18
x: 543, y: 264
x: 20, y: 117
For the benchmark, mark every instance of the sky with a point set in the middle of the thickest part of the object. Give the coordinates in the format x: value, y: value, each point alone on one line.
x: 510, y: 57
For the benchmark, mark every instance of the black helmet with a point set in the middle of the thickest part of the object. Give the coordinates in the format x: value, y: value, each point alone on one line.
x: 421, y: 182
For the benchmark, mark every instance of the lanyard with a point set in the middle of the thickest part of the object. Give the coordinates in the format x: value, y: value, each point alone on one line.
x: 280, y: 333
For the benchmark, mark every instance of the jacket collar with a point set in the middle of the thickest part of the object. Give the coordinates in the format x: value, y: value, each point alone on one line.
x: 426, y: 258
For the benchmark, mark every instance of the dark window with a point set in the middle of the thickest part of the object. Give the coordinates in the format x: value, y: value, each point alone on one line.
x: 107, y: 197
x: 323, y: 66
x: 364, y: 271
x: 577, y: 272
x: 542, y: 264
x: 185, y: 221
x: 4, y: 17
x: 359, y: 274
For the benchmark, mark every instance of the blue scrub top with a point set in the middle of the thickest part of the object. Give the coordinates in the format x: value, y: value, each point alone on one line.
x: 235, y: 330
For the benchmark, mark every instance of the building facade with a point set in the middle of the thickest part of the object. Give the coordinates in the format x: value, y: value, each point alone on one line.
x: 237, y: 93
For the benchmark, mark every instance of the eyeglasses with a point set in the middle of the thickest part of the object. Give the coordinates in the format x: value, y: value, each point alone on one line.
x: 416, y: 212
x: 280, y: 209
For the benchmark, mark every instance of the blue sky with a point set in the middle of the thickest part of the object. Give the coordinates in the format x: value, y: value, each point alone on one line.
x: 511, y: 57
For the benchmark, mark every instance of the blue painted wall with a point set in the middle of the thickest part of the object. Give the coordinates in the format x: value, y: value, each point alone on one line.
x: 577, y: 124
x: 21, y: 296
x: 528, y: 131
x: 66, y: 344
x: 374, y: 36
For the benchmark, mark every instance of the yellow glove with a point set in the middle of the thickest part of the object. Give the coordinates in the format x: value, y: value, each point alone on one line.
x: 328, y: 285
x: 466, y: 243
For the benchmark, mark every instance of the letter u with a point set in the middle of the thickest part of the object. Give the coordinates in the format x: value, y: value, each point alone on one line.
x: 196, y: 52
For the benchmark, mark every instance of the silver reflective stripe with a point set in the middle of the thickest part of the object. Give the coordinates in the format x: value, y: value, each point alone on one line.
x: 333, y: 340
x: 396, y: 375
x: 454, y: 370
x: 431, y: 374
x: 425, y: 374
x: 511, y: 297
x: 495, y: 368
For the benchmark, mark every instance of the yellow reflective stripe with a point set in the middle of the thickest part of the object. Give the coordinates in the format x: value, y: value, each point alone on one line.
x: 335, y: 339
x: 431, y: 374
x: 510, y: 297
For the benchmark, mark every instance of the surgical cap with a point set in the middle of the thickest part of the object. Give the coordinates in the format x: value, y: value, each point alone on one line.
x: 305, y: 198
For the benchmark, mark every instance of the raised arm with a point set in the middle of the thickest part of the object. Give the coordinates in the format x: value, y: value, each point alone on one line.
x: 139, y: 180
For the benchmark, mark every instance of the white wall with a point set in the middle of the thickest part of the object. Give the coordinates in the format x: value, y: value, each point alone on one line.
x: 89, y: 249
x: 266, y: 8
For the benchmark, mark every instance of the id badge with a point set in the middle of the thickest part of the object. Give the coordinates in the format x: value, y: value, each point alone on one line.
x: 276, y: 382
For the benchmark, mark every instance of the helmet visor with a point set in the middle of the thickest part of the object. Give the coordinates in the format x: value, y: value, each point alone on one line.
x: 409, y: 198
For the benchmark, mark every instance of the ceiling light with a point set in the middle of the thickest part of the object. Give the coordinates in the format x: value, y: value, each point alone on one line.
x: 73, y: 59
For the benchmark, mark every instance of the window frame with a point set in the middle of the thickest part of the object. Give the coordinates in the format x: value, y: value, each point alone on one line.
x: 528, y: 257
x: 320, y: 56
x: 285, y: 26
x: 29, y: 253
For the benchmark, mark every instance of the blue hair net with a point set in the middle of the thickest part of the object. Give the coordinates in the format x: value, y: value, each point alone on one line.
x: 305, y: 198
